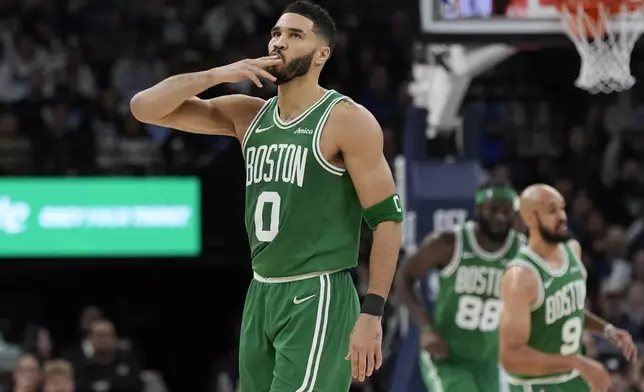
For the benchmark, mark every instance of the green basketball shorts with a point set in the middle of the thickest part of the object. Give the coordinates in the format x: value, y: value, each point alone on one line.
x: 295, y: 334
x: 570, y: 382
x: 453, y: 375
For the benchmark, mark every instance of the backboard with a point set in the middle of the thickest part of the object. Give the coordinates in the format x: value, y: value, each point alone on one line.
x: 503, y: 21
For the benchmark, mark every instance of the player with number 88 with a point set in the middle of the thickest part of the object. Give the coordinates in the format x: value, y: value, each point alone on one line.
x: 459, y: 338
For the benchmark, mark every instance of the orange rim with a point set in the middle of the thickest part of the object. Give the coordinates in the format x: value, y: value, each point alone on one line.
x: 593, y: 9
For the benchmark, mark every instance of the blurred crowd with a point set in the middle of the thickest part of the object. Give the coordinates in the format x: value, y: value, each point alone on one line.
x: 69, y: 67
x: 97, y: 362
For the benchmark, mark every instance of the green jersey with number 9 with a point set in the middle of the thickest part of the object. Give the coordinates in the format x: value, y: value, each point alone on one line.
x: 557, y: 319
x: 302, y: 212
x: 468, y: 306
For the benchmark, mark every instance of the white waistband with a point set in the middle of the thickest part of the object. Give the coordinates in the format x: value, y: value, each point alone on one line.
x: 561, y: 378
x: 295, y: 278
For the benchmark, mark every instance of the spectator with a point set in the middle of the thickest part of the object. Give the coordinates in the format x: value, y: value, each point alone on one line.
x: 38, y: 341
x: 58, y: 376
x: 27, y: 374
x: 634, y: 311
x: 106, y: 367
x: 613, y: 248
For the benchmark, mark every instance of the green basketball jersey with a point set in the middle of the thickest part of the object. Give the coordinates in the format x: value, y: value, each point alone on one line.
x: 557, y: 319
x: 302, y: 213
x: 468, y: 307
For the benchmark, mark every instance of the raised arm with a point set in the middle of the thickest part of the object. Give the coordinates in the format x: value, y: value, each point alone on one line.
x: 173, y: 102
x: 435, y: 252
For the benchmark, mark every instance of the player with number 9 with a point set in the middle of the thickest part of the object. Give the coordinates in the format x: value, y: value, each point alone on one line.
x: 459, y: 339
x: 544, y: 316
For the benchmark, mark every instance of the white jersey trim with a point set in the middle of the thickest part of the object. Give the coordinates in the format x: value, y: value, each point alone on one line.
x: 527, y: 383
x: 457, y: 254
x: 561, y: 271
x: 319, y: 335
x: 317, y: 136
x: 293, y: 122
x: 484, y: 254
x: 294, y: 278
x: 578, y: 260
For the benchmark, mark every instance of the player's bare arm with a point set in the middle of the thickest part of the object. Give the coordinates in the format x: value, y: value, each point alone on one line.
x: 600, y: 327
x: 360, y: 143
x: 357, y: 137
x: 174, y: 103
x: 435, y: 252
x: 519, y: 290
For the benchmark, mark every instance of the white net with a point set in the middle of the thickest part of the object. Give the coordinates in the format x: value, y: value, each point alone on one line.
x: 605, y: 42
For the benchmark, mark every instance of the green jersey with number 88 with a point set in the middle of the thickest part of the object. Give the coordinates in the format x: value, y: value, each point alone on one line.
x: 302, y: 212
x: 557, y: 319
x: 468, y: 307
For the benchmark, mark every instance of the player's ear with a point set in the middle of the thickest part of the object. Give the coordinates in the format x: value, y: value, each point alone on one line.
x: 322, y: 55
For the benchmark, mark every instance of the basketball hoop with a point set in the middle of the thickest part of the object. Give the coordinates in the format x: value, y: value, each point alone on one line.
x: 605, y: 33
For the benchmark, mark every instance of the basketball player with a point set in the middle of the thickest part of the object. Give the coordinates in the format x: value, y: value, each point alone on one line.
x: 314, y: 168
x: 459, y: 343
x: 543, y: 318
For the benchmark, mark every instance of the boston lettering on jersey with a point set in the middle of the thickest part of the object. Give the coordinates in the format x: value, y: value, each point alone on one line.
x: 479, y: 280
x: 276, y: 163
x: 468, y: 306
x: 302, y: 212
x: 569, y: 299
x: 557, y: 318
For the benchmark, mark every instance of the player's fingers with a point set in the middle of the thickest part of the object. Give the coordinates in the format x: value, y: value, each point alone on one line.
x: 354, y: 363
x: 250, y: 75
x: 362, y: 364
x: 267, y: 61
x: 370, y: 364
x: 632, y: 350
x: 378, y: 357
x: 260, y: 72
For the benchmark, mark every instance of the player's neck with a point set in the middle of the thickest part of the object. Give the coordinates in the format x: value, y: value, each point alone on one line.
x: 545, y: 250
x: 294, y: 97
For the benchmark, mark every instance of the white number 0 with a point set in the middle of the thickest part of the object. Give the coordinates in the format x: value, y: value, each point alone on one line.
x: 474, y: 313
x: 268, y: 234
x: 571, y: 332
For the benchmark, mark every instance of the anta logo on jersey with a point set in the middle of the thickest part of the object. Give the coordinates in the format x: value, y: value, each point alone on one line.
x: 305, y: 131
x: 565, y: 301
x: 276, y: 163
x: 479, y: 280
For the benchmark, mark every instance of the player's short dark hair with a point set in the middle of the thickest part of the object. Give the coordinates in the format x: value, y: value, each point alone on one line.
x: 323, y: 23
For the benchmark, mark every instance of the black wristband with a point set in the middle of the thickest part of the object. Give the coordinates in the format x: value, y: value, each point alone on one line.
x: 373, y: 305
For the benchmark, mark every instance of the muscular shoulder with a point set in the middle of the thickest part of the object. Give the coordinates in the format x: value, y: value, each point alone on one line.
x: 522, y: 280
x: 352, y: 123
